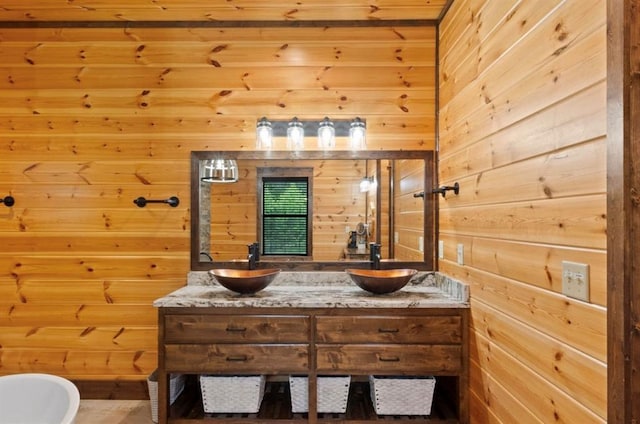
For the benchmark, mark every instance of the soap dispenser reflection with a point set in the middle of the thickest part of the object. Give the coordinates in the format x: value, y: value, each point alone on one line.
x: 353, y: 240
x: 362, y: 237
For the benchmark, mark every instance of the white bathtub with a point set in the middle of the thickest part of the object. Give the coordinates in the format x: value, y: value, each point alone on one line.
x: 37, y: 399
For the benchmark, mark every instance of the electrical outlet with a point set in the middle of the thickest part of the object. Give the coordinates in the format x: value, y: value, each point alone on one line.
x: 441, y: 249
x: 460, y: 255
x: 396, y: 237
x: 347, y: 229
x: 575, y: 280
x: 421, y: 244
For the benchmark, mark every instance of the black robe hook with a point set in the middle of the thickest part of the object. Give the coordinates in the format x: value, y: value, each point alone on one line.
x: 173, y: 201
x: 8, y: 201
x: 443, y: 190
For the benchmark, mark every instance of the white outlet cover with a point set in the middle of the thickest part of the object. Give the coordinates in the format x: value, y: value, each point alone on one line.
x: 441, y: 249
x: 460, y: 255
x: 396, y: 237
x: 421, y: 244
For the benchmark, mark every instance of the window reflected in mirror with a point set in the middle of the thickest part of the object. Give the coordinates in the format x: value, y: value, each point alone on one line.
x: 285, y: 203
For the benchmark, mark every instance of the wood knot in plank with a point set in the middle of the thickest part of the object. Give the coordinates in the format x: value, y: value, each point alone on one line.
x: 87, y: 331
x: 291, y: 14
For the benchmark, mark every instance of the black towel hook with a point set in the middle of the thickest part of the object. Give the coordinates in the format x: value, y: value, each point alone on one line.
x: 172, y: 201
x: 8, y: 201
x: 443, y: 190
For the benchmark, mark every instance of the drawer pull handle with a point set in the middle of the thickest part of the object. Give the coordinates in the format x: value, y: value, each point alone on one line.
x: 389, y: 359
x: 388, y: 330
x: 236, y: 329
x: 239, y: 358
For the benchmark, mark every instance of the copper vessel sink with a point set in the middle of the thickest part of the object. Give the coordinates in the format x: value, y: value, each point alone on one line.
x: 245, y: 281
x: 381, y: 281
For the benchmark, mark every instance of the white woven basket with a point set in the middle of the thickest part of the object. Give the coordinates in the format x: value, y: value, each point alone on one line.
x: 402, y: 395
x: 232, y: 394
x: 176, y: 386
x: 333, y: 394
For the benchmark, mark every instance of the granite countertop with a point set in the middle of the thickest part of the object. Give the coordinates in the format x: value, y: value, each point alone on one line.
x: 320, y: 290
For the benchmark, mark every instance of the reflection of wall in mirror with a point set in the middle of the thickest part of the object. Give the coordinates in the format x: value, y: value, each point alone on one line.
x: 409, y: 217
x: 337, y: 207
x: 371, y: 200
x: 205, y: 216
x: 383, y: 181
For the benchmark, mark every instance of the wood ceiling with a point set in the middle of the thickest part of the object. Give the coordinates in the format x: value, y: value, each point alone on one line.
x: 220, y: 10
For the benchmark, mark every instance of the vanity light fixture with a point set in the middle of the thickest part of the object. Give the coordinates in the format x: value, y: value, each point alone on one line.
x: 264, y: 134
x: 326, y: 134
x: 219, y: 171
x: 357, y: 134
x: 295, y: 135
x: 268, y: 131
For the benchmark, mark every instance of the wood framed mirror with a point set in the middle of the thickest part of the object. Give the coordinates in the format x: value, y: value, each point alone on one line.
x: 354, y: 198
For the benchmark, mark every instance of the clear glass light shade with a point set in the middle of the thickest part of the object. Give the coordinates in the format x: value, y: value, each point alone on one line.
x: 357, y: 135
x: 326, y: 134
x: 368, y: 184
x: 220, y: 171
x: 264, y: 134
x: 295, y: 135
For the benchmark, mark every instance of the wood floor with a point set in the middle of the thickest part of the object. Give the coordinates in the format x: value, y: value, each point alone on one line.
x: 114, y: 412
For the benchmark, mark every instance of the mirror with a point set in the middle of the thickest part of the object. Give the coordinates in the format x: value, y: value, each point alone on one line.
x: 352, y: 199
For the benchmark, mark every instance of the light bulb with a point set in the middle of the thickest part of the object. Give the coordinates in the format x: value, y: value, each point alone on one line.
x: 357, y: 134
x: 326, y: 134
x: 264, y: 134
x: 295, y: 135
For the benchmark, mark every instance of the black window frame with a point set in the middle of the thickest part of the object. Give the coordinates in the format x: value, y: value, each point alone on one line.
x: 285, y: 173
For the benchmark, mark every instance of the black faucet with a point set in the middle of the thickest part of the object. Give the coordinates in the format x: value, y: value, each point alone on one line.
x: 254, y: 255
x: 374, y: 255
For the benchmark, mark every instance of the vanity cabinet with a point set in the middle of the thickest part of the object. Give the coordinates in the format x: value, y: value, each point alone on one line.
x: 209, y: 343
x: 278, y: 342
x: 389, y: 344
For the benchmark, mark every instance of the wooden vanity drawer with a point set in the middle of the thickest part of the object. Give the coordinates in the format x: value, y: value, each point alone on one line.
x: 389, y: 329
x: 199, y: 328
x: 382, y: 358
x: 237, y: 358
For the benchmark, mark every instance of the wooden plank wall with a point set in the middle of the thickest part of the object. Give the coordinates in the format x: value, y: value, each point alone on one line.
x: 92, y: 118
x: 522, y: 129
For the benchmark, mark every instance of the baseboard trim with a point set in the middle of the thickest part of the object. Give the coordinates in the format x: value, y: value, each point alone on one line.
x: 113, y: 389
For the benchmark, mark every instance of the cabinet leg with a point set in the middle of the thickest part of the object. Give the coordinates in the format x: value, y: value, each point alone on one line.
x: 163, y: 397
